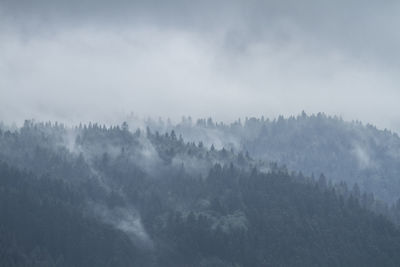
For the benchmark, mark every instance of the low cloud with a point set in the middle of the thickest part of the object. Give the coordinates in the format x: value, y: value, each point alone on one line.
x: 124, y: 219
x: 96, y: 61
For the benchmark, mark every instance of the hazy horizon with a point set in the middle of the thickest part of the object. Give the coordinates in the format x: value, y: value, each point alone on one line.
x: 96, y: 60
x: 199, y: 133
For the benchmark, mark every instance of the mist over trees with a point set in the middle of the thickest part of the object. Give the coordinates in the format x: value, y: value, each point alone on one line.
x: 315, y: 144
x: 92, y: 195
x: 84, y: 183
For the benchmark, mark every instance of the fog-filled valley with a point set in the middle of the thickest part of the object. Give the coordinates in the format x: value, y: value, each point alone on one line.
x: 259, y: 192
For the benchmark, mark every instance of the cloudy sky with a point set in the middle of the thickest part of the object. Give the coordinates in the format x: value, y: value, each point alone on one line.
x: 82, y: 60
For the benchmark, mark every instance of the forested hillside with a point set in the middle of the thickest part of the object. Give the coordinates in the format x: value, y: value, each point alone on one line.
x: 343, y: 151
x: 112, y: 196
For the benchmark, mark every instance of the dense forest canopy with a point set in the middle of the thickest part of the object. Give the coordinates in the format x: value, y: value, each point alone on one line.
x: 84, y: 183
x: 315, y: 144
x: 93, y: 195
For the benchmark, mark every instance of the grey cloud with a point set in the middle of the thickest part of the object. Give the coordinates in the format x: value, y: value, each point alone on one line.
x: 90, y: 60
x: 354, y: 25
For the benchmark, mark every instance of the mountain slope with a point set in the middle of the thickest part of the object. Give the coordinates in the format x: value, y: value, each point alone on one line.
x: 343, y: 151
x: 97, y: 196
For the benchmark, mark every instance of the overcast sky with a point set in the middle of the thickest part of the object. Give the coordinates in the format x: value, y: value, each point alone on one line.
x: 80, y: 60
